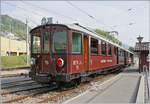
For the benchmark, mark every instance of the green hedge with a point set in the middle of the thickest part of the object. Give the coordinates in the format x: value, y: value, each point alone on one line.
x: 13, y: 61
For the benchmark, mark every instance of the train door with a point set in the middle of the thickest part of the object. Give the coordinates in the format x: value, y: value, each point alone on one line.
x: 86, y: 52
x: 125, y: 57
x: 45, y: 56
x: 117, y: 53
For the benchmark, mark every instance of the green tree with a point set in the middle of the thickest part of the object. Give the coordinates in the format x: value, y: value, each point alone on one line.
x: 106, y: 35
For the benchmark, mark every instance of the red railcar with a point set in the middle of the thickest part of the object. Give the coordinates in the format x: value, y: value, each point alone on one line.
x: 62, y: 53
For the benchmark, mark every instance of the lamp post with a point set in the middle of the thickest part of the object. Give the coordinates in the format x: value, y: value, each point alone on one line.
x: 139, y: 40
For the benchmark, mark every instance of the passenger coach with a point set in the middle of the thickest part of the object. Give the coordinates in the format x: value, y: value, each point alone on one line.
x: 64, y: 53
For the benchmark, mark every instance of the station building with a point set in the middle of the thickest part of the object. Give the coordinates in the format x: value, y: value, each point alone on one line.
x: 142, y: 50
x: 12, y: 47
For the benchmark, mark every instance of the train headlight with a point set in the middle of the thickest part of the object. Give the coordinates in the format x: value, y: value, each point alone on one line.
x: 60, y: 62
x: 32, y: 61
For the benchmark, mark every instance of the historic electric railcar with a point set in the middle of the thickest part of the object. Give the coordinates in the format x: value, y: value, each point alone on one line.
x: 63, y: 53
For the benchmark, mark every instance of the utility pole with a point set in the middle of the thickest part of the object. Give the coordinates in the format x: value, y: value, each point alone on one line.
x: 10, y: 37
x: 27, y: 43
x: 0, y: 59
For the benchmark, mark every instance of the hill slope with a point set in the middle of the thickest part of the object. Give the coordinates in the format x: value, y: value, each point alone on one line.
x: 17, y: 27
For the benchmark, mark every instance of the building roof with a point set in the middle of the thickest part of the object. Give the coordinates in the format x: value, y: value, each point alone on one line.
x: 144, y: 46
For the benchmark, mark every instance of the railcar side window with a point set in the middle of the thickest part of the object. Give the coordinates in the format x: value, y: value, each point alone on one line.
x: 103, y: 48
x: 109, y: 49
x: 45, y: 43
x: 121, y: 52
x: 60, y: 42
x: 94, y: 46
x: 36, y: 47
x: 76, y: 42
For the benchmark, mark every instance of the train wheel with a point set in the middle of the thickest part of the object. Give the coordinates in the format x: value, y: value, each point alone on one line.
x: 61, y: 85
x: 77, y: 82
x: 93, y: 75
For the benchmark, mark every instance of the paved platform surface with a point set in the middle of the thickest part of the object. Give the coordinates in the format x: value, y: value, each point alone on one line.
x: 123, y: 88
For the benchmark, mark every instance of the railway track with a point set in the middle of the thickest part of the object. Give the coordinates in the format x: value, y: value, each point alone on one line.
x: 22, y: 79
x: 15, y: 84
x: 21, y: 88
x: 61, y: 96
x: 34, y: 93
x: 44, y: 93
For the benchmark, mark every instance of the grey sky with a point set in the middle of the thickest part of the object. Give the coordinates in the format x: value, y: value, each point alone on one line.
x: 129, y: 18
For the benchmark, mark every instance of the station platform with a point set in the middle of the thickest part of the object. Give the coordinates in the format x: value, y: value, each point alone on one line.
x: 126, y: 87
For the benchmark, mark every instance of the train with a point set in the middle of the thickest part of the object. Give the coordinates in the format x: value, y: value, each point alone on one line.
x: 69, y: 52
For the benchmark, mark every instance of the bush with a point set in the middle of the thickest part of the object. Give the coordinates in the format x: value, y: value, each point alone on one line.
x: 13, y: 61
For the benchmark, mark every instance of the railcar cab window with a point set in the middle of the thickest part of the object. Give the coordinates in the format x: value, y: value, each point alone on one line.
x: 35, y: 45
x: 60, y: 42
x: 103, y: 49
x: 45, y: 42
x: 115, y: 50
x: 109, y: 49
x: 94, y: 46
x: 76, y: 42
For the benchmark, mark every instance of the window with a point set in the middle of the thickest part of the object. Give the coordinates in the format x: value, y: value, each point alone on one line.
x: 103, y: 48
x: 60, y: 42
x: 94, y: 46
x: 45, y: 42
x: 109, y: 49
x: 76, y: 42
x: 36, y: 47
x: 119, y: 52
x: 115, y: 50
x: 122, y: 53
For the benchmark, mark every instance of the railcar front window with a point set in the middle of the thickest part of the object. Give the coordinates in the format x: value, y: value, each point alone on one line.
x: 36, y: 47
x: 45, y: 43
x: 60, y: 42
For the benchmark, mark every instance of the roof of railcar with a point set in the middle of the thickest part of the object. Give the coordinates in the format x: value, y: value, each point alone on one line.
x: 94, y: 34
x: 85, y: 30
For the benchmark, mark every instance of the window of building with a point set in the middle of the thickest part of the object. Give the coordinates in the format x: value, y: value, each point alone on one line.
x: 60, y: 42
x: 94, y: 46
x: 45, y: 43
x: 76, y: 42
x: 109, y: 49
x: 103, y: 48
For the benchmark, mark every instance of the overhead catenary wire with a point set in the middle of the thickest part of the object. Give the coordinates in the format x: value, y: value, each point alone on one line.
x: 97, y: 20
x: 48, y: 10
x: 35, y: 23
x: 89, y: 15
x: 54, y: 12
x: 24, y: 9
